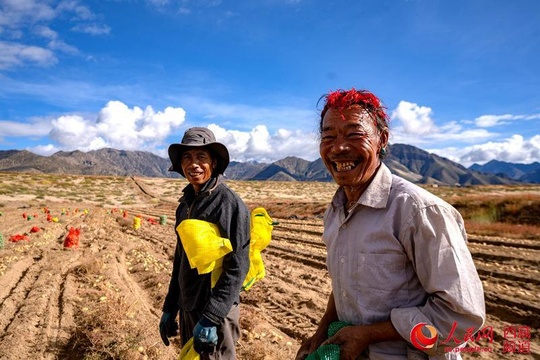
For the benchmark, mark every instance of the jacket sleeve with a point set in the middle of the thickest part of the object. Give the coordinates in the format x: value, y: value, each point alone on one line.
x: 170, y: 304
x: 235, y: 224
x: 435, y: 242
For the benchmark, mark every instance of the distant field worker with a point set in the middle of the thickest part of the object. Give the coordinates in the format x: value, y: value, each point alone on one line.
x: 397, y: 255
x: 208, y: 314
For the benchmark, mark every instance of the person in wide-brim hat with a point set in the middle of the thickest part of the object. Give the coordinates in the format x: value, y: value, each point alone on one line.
x: 199, y: 137
x: 206, y: 299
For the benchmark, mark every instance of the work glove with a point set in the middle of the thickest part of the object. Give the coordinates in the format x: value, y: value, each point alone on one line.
x: 205, y: 336
x: 167, y: 327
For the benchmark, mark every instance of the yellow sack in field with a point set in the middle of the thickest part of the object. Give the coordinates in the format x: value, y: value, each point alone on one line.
x: 261, y: 234
x: 204, y: 246
x: 188, y: 352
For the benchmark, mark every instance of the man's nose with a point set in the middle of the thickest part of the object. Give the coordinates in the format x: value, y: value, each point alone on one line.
x: 340, y: 145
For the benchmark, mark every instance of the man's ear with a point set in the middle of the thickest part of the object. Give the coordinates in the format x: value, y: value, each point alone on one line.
x: 384, y: 137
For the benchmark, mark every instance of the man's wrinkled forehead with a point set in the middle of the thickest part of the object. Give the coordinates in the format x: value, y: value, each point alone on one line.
x: 357, y: 115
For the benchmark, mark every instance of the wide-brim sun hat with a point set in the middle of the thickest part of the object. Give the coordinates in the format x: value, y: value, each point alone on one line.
x: 197, y: 137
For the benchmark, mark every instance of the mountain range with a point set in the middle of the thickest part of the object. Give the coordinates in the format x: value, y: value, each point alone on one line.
x: 529, y: 173
x: 407, y: 161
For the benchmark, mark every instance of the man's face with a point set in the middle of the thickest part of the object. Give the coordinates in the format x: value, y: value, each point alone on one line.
x: 349, y: 147
x: 197, y: 165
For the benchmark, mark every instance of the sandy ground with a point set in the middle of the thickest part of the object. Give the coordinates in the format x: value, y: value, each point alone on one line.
x: 102, y: 300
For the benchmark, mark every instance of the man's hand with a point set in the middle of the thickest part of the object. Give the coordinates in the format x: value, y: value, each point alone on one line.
x: 167, y: 327
x: 311, y: 345
x: 352, y: 340
x: 205, y: 336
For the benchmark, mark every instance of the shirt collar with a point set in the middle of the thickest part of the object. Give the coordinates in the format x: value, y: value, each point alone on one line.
x: 376, y: 194
x: 208, y: 187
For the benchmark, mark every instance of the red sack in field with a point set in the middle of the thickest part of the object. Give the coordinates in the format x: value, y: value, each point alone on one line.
x: 49, y: 217
x: 34, y: 229
x: 152, y: 221
x: 72, y: 238
x: 18, y: 237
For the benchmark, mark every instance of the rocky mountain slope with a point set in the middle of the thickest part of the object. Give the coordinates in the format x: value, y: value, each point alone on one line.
x: 408, y: 161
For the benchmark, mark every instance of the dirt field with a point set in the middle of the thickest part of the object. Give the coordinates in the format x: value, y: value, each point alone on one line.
x: 102, y: 300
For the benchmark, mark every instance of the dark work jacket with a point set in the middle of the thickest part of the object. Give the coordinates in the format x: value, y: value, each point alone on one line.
x: 189, y: 291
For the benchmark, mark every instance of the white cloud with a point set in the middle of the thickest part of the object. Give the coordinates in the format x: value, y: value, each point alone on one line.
x: 81, y: 12
x: 44, y: 150
x: 54, y: 42
x: 514, y: 149
x: 117, y: 126
x: 417, y: 127
x: 494, y: 120
x: 14, y: 54
x: 34, y: 129
x: 92, y: 29
x: 465, y: 136
x: 259, y: 145
x: 18, y: 18
x: 15, y: 13
x: 414, y: 118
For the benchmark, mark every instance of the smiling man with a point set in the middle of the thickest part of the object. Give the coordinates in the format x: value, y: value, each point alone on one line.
x: 396, y: 254
x: 207, y: 312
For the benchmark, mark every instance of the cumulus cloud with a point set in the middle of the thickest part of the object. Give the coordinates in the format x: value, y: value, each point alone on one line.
x: 117, y: 126
x: 260, y: 145
x: 465, y: 142
x: 416, y: 126
x: 415, y: 119
x: 514, y: 149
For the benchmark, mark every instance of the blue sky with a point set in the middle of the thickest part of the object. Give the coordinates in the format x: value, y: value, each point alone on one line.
x: 459, y: 78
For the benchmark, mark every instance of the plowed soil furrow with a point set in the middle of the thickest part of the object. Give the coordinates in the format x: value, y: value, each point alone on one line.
x: 298, y: 229
x: 521, y: 277
x: 56, y: 331
x: 505, y: 255
x: 318, y: 262
x: 294, y: 325
x: 514, y: 243
x: 37, y: 311
x: 314, y: 280
x: 514, y: 310
x: 16, y: 285
x: 316, y: 225
x: 291, y: 239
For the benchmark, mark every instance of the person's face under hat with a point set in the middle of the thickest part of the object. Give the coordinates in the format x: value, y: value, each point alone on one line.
x: 197, y: 165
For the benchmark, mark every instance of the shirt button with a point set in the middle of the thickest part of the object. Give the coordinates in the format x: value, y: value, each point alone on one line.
x: 343, y: 293
x: 342, y: 259
x: 344, y: 226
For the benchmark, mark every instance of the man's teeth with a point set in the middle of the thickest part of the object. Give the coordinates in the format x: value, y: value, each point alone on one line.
x: 344, y: 166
